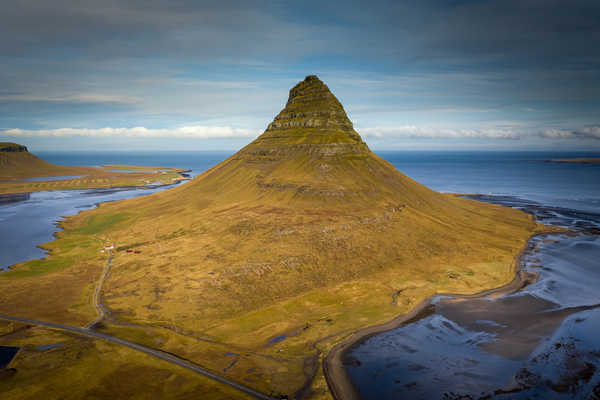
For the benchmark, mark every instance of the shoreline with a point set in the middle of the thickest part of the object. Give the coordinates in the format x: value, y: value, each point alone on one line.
x: 81, y: 180
x: 338, y: 381
x: 8, y: 198
x: 578, y: 160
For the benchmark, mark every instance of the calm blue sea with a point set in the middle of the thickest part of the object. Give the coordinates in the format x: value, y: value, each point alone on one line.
x: 521, y: 174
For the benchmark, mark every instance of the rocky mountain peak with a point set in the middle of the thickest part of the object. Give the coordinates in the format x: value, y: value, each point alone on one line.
x: 312, y: 105
x: 312, y: 117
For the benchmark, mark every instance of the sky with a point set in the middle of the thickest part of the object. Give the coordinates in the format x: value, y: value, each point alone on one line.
x: 201, y: 75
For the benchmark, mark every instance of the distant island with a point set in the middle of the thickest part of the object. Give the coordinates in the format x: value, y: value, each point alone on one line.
x: 256, y: 269
x: 580, y: 160
x: 23, y: 172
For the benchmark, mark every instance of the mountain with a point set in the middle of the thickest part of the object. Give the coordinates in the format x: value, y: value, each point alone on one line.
x: 268, y: 258
x: 311, y: 155
x: 17, y: 162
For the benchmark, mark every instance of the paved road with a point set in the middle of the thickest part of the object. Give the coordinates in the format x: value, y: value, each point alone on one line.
x: 150, y: 351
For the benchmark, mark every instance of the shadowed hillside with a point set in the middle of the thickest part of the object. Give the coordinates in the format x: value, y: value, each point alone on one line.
x: 272, y: 256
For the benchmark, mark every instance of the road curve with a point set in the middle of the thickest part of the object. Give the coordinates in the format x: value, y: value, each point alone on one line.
x: 147, y: 350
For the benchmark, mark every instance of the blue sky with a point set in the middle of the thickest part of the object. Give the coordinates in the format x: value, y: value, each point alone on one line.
x: 433, y: 74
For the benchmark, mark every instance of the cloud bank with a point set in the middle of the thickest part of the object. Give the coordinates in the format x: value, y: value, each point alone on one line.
x: 187, y: 132
x: 395, y: 132
x: 590, y: 132
x: 424, y: 132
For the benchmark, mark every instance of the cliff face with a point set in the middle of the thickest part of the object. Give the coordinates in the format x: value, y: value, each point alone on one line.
x: 313, y: 122
x: 12, y: 148
x: 312, y: 105
x: 17, y: 162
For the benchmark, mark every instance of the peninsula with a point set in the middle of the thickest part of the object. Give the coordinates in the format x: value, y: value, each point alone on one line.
x: 255, y: 269
x: 579, y: 160
x: 22, y: 172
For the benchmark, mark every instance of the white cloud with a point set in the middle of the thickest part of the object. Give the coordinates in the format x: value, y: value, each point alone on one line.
x: 590, y: 132
x: 425, y: 132
x: 388, y: 132
x: 189, y: 132
x: 428, y: 132
x: 82, y: 98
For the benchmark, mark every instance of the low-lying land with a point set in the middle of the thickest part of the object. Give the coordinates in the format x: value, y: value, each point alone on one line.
x: 580, y: 160
x: 57, y: 365
x: 259, y: 266
x: 23, y: 172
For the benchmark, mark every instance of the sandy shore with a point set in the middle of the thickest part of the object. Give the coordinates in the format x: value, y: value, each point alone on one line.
x: 340, y: 384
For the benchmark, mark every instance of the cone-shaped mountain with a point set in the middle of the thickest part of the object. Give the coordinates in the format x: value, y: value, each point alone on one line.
x: 304, y: 232
x: 310, y: 154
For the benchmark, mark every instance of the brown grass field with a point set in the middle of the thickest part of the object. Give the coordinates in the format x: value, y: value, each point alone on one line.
x: 83, y: 368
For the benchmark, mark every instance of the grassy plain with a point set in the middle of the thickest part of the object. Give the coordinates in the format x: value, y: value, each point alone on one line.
x: 74, y: 367
x: 260, y: 265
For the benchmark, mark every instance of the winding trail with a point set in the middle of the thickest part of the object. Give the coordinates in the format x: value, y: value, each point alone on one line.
x: 97, y: 291
x: 147, y: 350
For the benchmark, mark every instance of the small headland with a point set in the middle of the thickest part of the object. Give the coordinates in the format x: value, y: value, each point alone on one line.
x: 579, y: 160
x: 23, y: 172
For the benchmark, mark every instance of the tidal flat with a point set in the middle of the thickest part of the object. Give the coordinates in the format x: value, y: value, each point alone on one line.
x: 537, y: 342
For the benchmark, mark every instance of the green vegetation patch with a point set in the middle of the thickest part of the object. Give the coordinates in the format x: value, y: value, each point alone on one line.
x: 40, y: 267
x: 100, y: 223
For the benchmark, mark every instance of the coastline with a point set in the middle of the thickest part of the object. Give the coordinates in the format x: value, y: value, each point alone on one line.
x: 8, y: 198
x: 580, y: 160
x: 339, y: 383
x: 84, y: 178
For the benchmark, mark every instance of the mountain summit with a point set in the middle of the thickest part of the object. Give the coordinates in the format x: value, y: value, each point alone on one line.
x: 312, y: 114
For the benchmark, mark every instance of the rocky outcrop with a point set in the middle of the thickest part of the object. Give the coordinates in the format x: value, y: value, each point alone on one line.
x: 12, y: 148
x: 312, y: 124
x: 312, y: 105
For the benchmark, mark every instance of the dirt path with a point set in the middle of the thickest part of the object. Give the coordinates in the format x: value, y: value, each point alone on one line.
x: 98, y: 291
